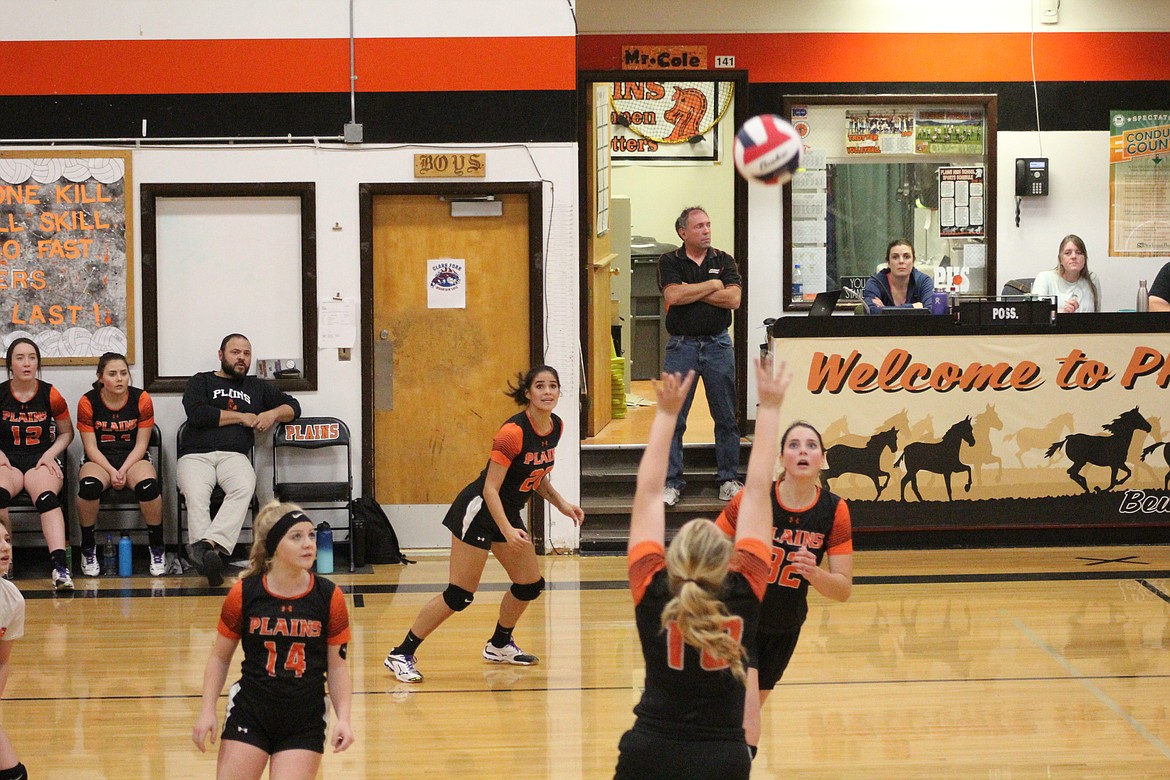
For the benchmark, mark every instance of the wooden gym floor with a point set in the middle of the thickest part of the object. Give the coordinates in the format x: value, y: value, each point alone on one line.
x: 1009, y: 663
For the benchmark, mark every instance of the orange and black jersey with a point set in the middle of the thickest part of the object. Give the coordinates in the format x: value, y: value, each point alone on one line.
x: 116, y: 430
x: 286, y: 640
x: 526, y: 453
x: 27, y: 428
x: 688, y: 693
x: 823, y: 526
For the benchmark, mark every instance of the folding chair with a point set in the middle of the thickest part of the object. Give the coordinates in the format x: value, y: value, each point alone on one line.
x: 314, y: 433
x: 217, y: 495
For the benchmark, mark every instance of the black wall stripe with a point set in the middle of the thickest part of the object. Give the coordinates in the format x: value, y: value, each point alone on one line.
x: 400, y: 117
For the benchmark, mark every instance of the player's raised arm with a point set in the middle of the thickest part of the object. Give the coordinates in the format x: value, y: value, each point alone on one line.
x: 648, y: 516
x: 755, y: 511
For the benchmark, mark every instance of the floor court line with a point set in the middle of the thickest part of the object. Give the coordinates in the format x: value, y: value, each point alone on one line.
x: 1087, y: 683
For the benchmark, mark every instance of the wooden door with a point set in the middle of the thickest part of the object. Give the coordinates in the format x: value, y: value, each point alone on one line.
x: 440, y: 374
x: 600, y: 254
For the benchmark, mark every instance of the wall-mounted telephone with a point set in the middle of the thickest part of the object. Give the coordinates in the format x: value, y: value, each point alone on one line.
x: 1031, y: 176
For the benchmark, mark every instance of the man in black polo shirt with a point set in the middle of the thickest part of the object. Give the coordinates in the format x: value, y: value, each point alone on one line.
x: 701, y: 286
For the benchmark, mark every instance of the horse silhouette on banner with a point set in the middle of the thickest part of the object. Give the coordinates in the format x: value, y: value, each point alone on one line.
x: 1165, y: 454
x: 940, y: 457
x: 845, y: 459
x: 1108, y: 451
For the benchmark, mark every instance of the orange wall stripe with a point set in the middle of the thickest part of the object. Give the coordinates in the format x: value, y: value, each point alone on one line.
x: 913, y: 57
x: 283, y: 65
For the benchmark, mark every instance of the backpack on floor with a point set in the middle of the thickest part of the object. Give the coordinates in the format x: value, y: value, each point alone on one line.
x: 381, y: 543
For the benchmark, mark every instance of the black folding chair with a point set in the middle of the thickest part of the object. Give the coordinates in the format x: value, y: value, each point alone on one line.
x: 217, y: 495
x: 311, y: 434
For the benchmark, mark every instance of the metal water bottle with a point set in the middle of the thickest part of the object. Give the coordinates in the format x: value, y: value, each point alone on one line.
x: 324, y: 549
x: 125, y: 556
x: 1143, y: 297
x: 109, y: 557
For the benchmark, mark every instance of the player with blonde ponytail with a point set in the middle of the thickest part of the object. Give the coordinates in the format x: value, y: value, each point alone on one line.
x: 697, y: 605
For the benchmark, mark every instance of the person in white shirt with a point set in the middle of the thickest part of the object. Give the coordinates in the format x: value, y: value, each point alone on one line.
x: 11, y: 629
x: 1075, y: 287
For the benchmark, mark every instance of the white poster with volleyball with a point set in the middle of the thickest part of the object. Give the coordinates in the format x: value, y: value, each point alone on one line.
x: 668, y: 120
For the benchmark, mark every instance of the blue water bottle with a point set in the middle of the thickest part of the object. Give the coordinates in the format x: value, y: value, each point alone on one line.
x: 125, y: 556
x: 324, y: 548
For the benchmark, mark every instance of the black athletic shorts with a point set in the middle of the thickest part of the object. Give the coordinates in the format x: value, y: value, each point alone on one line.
x: 470, y: 520
x: 643, y: 756
x: 274, y: 728
x: 26, y: 462
x: 117, y: 461
x: 771, y: 656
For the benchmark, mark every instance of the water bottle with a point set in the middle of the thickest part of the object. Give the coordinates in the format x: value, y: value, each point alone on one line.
x: 109, y: 557
x: 797, y: 284
x: 125, y: 556
x: 324, y: 549
x: 1143, y: 298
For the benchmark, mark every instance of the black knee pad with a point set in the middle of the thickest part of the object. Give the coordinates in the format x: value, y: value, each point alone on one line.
x: 457, y: 598
x: 90, y: 488
x: 148, y: 490
x: 5, y: 498
x: 17, y: 772
x: 47, y: 502
x: 528, y: 592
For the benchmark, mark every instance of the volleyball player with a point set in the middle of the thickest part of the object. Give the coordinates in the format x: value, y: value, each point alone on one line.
x: 34, y: 431
x: 808, y: 524
x: 11, y: 629
x: 696, y: 606
x: 295, y: 628
x: 486, y: 517
x: 115, y: 421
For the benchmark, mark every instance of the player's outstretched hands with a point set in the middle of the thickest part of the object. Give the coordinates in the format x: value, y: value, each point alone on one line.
x: 672, y: 390
x: 772, y: 385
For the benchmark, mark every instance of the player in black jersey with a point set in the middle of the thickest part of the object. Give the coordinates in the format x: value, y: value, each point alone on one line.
x: 486, y: 516
x: 115, y: 421
x: 35, y: 430
x: 808, y: 523
x: 697, y: 606
x: 294, y: 628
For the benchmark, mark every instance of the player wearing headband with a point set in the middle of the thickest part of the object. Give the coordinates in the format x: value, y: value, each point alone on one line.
x: 294, y: 627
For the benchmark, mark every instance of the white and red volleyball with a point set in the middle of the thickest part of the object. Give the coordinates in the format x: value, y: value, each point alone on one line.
x: 767, y: 149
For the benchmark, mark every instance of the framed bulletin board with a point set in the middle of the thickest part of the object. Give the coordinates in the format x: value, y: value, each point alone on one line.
x: 220, y: 258
x: 66, y: 244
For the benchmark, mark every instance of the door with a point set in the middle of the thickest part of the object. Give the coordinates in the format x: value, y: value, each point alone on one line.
x: 439, y: 374
x: 599, y: 317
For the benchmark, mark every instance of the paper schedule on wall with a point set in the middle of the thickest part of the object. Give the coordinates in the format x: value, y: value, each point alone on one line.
x: 447, y: 283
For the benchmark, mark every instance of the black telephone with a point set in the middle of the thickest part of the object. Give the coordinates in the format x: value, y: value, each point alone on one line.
x: 1031, y: 176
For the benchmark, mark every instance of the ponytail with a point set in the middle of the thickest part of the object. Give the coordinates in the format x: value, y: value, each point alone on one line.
x: 697, y: 563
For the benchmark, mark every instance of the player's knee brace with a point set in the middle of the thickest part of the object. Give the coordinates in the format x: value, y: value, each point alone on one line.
x: 17, y: 772
x: 47, y: 502
x: 457, y: 598
x: 147, y: 490
x: 89, y: 489
x: 5, y: 498
x: 528, y: 592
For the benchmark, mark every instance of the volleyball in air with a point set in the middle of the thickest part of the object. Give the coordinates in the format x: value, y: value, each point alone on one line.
x: 767, y: 149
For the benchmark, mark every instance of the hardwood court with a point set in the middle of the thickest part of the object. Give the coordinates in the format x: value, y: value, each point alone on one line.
x: 1019, y: 663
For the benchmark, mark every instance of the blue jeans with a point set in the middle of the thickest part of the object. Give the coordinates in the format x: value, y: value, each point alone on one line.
x: 713, y: 360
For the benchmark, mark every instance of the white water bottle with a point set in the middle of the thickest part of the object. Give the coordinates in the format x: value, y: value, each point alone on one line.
x: 1143, y: 297
x: 797, y: 284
